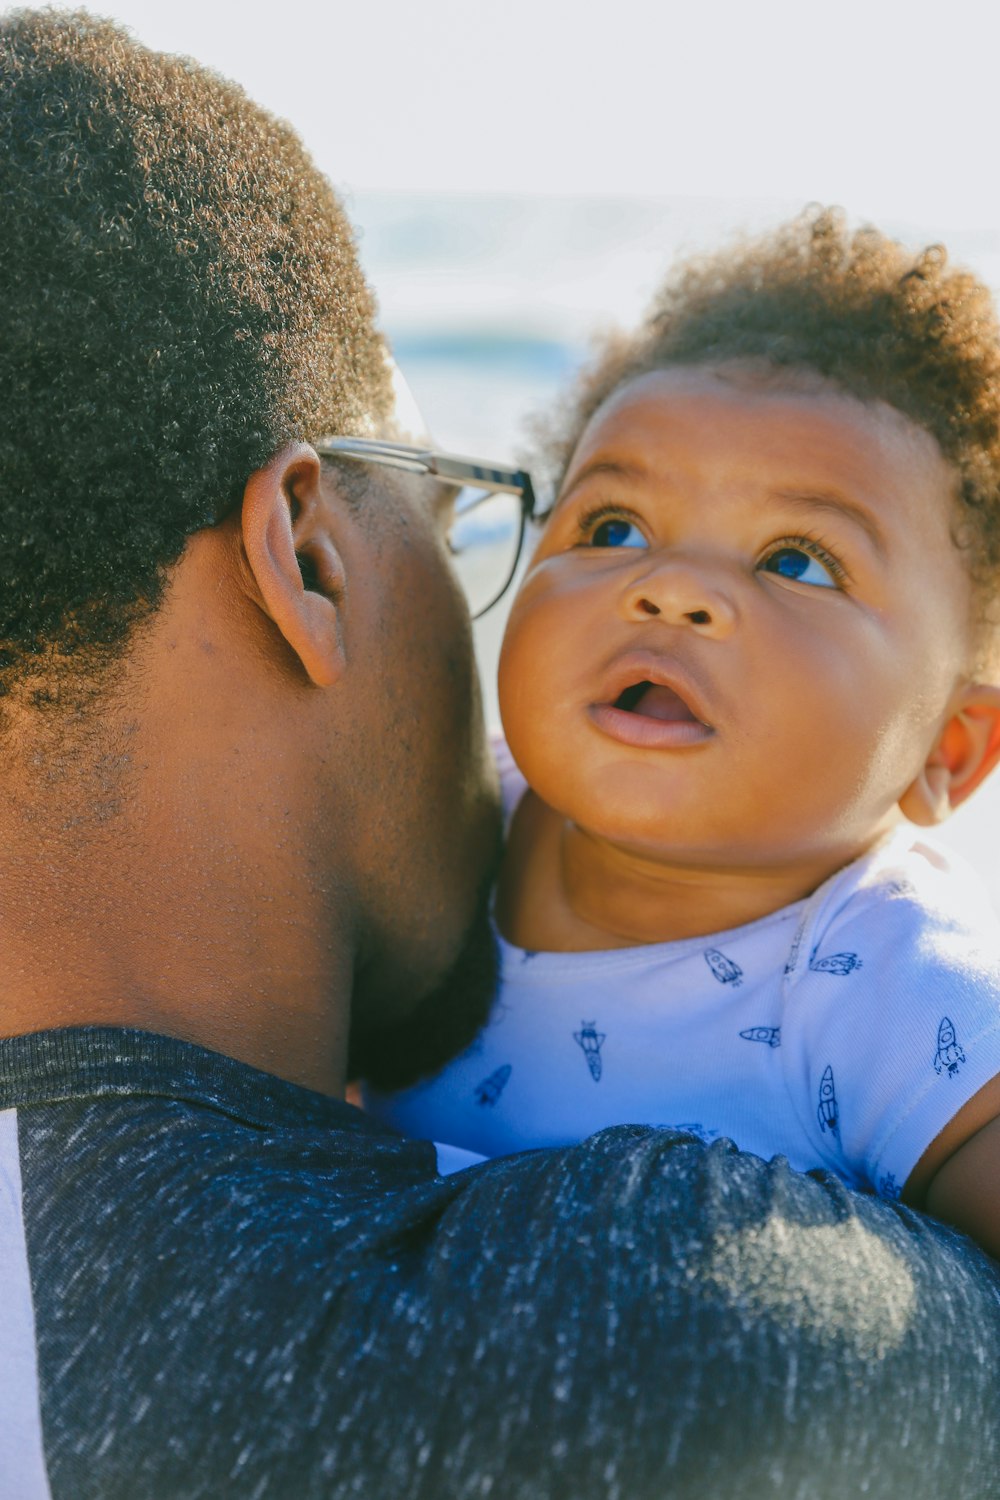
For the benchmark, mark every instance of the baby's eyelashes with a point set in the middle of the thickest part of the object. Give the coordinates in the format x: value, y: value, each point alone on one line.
x: 803, y: 560
x: 609, y: 526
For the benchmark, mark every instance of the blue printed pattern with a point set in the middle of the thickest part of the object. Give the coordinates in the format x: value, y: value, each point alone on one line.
x: 888, y: 1187
x: 591, y: 1040
x: 489, y: 1091
x: 827, y: 1111
x: 949, y: 1054
x: 793, y: 952
x: 769, y: 1035
x: 726, y: 970
x: 835, y: 963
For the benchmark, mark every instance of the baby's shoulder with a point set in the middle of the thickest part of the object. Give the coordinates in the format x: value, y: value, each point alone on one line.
x: 891, y: 1013
x: 896, y: 957
x: 907, y: 904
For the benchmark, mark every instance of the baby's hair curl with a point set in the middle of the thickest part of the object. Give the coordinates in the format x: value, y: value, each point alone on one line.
x: 181, y: 297
x: 879, y: 322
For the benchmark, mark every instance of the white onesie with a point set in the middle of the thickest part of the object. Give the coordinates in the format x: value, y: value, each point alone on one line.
x: 844, y: 1031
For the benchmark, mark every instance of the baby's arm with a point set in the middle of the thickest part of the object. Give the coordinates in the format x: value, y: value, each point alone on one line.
x: 958, y: 1177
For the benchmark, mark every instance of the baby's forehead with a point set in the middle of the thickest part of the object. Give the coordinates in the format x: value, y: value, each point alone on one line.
x: 784, y: 427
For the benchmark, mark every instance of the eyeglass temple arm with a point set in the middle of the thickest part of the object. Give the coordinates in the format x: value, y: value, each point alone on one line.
x: 467, y: 470
x: 393, y: 455
x: 444, y: 465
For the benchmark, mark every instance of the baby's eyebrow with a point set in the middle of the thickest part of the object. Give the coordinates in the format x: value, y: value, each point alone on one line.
x: 611, y: 466
x: 837, y: 504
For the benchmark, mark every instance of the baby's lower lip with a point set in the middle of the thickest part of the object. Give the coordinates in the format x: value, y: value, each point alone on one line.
x: 647, y: 733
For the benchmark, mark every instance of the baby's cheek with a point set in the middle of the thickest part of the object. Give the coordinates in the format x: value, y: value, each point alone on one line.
x: 528, y: 713
x: 522, y: 661
x: 518, y: 688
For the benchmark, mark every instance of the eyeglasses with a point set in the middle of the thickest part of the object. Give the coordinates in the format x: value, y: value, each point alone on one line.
x: 489, y: 513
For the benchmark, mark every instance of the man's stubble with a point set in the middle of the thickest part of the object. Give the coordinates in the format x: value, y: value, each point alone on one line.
x: 441, y: 1024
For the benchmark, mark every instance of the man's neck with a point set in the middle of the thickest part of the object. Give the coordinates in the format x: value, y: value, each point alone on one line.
x: 155, y: 874
x: 159, y: 923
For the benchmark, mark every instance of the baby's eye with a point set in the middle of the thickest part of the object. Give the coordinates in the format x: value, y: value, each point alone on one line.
x: 802, y: 566
x: 617, y: 532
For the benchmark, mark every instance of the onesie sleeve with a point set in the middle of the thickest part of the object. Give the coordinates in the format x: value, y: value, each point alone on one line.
x: 892, y: 1014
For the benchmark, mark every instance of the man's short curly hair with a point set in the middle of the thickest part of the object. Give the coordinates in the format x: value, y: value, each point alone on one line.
x: 877, y: 321
x: 181, y: 297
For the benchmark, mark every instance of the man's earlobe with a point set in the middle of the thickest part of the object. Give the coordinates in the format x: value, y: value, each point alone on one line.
x: 292, y: 559
x: 965, y: 753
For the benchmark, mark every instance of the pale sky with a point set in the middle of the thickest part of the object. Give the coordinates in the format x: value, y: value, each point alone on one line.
x: 888, y: 108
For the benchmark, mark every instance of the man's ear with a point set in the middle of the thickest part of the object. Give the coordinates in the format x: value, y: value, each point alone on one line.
x: 964, y: 754
x: 286, y: 533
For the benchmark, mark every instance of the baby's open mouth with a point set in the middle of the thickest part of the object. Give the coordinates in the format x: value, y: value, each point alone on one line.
x: 651, y: 700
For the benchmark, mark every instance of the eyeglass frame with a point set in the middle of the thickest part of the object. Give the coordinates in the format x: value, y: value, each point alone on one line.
x: 452, y: 468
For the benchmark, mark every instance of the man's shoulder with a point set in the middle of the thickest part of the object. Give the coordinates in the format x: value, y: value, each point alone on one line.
x: 125, y: 1137
x: 149, y: 1124
x: 310, y: 1309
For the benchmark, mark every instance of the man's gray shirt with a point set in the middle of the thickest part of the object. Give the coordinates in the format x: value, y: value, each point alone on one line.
x: 218, y: 1284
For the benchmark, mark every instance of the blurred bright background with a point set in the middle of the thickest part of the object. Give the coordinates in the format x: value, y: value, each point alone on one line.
x: 521, y: 174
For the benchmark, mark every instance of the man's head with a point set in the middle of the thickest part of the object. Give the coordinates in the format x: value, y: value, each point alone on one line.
x: 245, y: 770
x: 181, y: 298
x: 756, y: 620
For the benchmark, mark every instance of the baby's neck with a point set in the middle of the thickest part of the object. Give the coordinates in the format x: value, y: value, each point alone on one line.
x: 563, y: 890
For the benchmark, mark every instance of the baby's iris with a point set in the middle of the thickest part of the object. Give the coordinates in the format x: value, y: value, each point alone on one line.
x: 617, y: 533
x: 793, y: 562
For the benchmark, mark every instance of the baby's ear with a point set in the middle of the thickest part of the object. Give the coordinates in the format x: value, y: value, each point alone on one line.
x: 963, y: 755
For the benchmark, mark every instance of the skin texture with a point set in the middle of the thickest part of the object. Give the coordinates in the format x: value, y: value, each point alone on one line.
x: 692, y: 496
x: 309, y: 766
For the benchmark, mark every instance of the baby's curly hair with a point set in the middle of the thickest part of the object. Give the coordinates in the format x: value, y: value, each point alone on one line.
x: 181, y: 297
x: 877, y: 321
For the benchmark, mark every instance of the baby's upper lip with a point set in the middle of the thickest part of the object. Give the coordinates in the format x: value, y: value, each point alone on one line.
x: 650, y: 666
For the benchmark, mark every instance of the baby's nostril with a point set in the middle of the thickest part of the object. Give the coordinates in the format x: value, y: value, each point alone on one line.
x: 700, y: 617
x: 648, y: 607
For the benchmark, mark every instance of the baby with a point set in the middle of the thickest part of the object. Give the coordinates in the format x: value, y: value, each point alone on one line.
x: 753, y: 639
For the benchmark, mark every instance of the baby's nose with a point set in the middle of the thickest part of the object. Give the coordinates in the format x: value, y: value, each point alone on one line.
x: 682, y: 593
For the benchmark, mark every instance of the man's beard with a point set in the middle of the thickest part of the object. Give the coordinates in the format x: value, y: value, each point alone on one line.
x: 441, y: 1025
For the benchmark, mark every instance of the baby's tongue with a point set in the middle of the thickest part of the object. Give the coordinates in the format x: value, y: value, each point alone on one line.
x: 657, y: 702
